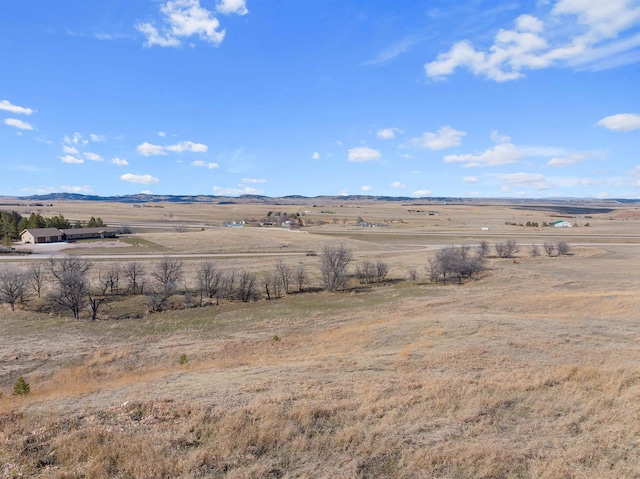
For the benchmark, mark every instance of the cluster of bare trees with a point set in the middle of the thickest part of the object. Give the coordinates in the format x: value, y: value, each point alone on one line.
x: 456, y: 263
x: 67, y: 284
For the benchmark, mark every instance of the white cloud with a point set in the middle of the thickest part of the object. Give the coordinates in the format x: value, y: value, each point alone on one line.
x: 470, y: 179
x: 76, y: 139
x: 92, y: 156
x: 563, y: 161
x: 621, y: 122
x: 421, y: 193
x: 97, y: 138
x: 6, y: 105
x: 76, y: 189
x: 254, y: 180
x: 363, y: 153
x: 388, y: 133
x: 147, y: 149
x: 397, y: 184
x: 532, y: 180
x: 22, y: 125
x: 366, y: 188
x: 145, y: 192
x: 187, y: 146
x: 71, y: 159
x: 162, y: 134
x: 182, y: 19
x: 120, y: 162
x: 235, y: 191
x: 502, y: 154
x: 239, y: 7
x: 574, y: 33
x: 142, y: 179
x: 70, y: 150
x: 394, y: 50
x: 211, y: 166
x: 445, y: 137
x: 406, y: 156
x: 496, y: 137
x: 315, y: 156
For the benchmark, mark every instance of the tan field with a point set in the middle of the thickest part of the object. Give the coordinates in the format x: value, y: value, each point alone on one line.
x: 530, y: 370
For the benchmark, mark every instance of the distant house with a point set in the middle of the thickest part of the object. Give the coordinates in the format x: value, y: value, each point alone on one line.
x: 54, y: 235
x: 71, y: 234
x: 41, y: 235
x: 561, y: 224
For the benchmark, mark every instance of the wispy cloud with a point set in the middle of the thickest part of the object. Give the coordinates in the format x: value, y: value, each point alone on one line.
x: 142, y: 179
x: 21, y: 125
x: 395, y: 50
x: 573, y: 33
x: 254, y: 180
x: 220, y: 191
x: 445, y: 137
x: 119, y: 162
x: 204, y: 164
x: 6, y: 105
x: 148, y: 149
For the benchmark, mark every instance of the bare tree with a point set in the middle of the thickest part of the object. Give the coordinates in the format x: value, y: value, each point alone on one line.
x: 113, y: 273
x: 58, y: 267
x: 285, y: 274
x: 209, y: 280
x: 228, y: 289
x: 246, y: 289
x: 507, y: 249
x: 563, y: 248
x: 549, y: 248
x: 13, y: 285
x: 168, y: 272
x: 134, y: 273
x: 37, y: 276
x: 413, y: 274
x: 365, y: 272
x: 453, y: 262
x: 534, y: 251
x: 382, y: 270
x: 483, y: 249
x: 71, y: 291
x: 95, y: 301
x: 109, y: 279
x: 334, y: 261
x: 301, y: 278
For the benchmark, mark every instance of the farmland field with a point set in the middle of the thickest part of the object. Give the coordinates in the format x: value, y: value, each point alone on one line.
x: 530, y: 369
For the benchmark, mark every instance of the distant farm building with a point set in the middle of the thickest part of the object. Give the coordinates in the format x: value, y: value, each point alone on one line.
x: 54, y: 235
x: 41, y: 235
x: 561, y: 224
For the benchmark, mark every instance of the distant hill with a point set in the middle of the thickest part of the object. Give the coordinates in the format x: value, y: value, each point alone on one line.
x: 297, y: 199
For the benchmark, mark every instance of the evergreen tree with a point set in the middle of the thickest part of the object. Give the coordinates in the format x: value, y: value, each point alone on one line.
x: 21, y: 387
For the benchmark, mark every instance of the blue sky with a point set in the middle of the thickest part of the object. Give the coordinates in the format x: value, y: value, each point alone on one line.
x: 478, y: 98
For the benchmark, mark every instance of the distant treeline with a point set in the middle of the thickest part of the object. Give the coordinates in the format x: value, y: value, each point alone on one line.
x: 12, y: 223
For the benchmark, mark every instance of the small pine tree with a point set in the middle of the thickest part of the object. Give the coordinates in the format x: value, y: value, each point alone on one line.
x: 21, y: 387
x: 183, y: 359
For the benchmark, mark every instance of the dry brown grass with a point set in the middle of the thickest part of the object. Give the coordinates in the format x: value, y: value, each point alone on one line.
x: 531, y: 372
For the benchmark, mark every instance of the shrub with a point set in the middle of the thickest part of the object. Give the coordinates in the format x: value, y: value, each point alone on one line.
x: 21, y: 387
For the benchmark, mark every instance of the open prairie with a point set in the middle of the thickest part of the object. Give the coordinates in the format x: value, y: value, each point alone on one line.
x: 530, y: 369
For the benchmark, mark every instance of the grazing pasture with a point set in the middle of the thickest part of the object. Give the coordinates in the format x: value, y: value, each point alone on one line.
x: 530, y: 369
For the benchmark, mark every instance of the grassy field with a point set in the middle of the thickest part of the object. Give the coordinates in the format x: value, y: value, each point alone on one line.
x: 529, y: 371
